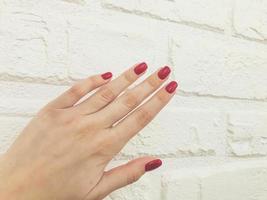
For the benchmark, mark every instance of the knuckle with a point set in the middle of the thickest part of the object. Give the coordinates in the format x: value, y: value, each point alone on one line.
x: 131, y: 178
x: 88, y: 125
x: 131, y: 100
x: 105, y: 147
x: 129, y: 77
x: 76, y: 90
x: 143, y: 117
x: 92, y: 81
x: 50, y: 115
x: 107, y: 95
x: 72, y: 120
x: 105, y: 154
x: 153, y: 82
x: 161, y: 97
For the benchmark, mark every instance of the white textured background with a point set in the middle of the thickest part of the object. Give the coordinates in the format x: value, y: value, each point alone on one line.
x: 213, y: 135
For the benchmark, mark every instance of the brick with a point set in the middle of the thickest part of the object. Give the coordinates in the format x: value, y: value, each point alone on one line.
x: 36, y: 48
x: 97, y: 45
x: 18, y: 98
x: 240, y: 180
x: 147, y: 188
x: 180, y: 132
x: 209, y: 13
x: 250, y: 19
x: 247, y: 133
x: 218, y: 116
x: 54, y: 7
x: 192, y: 101
x: 236, y: 182
x: 210, y: 64
x: 180, y: 185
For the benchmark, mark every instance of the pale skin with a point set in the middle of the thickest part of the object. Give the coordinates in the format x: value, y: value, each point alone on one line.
x: 63, y: 152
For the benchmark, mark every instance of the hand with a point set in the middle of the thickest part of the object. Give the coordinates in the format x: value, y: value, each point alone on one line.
x: 62, y: 153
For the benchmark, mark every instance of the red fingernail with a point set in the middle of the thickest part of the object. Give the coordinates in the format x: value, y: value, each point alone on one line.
x: 107, y: 75
x: 171, y: 87
x: 154, y: 164
x: 164, y: 72
x: 139, y: 69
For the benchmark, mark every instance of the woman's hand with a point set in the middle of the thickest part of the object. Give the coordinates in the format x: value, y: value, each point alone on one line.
x: 63, y: 151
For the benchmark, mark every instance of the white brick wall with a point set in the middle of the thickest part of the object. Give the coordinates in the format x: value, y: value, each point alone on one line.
x: 216, y: 147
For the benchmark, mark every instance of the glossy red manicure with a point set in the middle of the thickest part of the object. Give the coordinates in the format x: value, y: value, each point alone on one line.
x: 164, y: 72
x: 107, y: 75
x: 171, y: 87
x: 154, y: 164
x: 139, y: 69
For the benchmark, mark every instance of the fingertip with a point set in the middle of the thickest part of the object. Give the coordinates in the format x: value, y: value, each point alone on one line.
x: 171, y: 87
x: 152, y: 165
x: 107, y: 75
x: 164, y: 72
x: 140, y: 68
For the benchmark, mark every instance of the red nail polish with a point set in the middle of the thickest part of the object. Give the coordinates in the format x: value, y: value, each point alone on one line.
x: 139, y: 69
x: 107, y: 75
x: 154, y: 164
x: 164, y: 72
x: 171, y: 87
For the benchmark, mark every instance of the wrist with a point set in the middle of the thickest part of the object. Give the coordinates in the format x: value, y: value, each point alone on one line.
x: 3, y: 179
x: 7, y: 186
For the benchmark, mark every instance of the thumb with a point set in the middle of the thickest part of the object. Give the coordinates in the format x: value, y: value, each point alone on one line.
x: 124, y: 175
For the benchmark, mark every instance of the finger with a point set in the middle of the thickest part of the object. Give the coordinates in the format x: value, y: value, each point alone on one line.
x: 132, y: 98
x: 138, y: 119
x: 124, y: 175
x: 80, y: 89
x: 110, y: 91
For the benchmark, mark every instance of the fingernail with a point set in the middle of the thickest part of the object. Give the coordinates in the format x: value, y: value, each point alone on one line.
x: 164, y: 72
x: 139, y: 69
x: 154, y: 164
x: 106, y: 75
x: 171, y: 87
